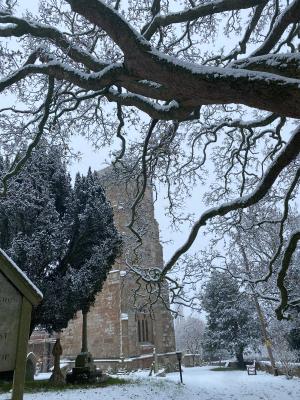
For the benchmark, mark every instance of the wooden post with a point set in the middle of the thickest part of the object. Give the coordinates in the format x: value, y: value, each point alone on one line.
x: 180, y: 370
x: 24, y: 326
x: 155, y: 360
x: 179, y: 358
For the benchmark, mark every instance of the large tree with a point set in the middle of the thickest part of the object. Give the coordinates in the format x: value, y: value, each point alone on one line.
x: 218, y: 79
x: 230, y: 323
x: 64, y: 239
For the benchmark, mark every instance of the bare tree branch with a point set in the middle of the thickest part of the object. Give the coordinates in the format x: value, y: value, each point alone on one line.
x: 18, y: 165
x: 288, y: 154
x: 290, y: 14
x: 203, y: 10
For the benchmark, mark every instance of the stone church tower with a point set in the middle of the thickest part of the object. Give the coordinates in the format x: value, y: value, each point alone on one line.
x: 121, y: 330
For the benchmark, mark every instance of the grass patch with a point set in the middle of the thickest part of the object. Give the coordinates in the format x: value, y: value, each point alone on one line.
x: 226, y: 369
x: 46, y: 386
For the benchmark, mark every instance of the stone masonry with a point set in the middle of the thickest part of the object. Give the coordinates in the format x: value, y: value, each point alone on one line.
x: 121, y: 329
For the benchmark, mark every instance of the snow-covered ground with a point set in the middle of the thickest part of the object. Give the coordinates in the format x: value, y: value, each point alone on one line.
x: 199, y: 384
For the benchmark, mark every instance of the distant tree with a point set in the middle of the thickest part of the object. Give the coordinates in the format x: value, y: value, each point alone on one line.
x: 189, y: 333
x: 293, y: 337
x: 247, y: 250
x: 284, y: 353
x: 230, y: 322
x: 64, y: 239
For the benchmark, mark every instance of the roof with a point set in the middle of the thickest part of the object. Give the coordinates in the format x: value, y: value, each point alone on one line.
x: 18, y: 279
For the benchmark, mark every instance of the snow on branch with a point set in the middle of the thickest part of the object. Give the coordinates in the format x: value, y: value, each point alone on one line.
x: 288, y: 16
x: 107, y: 18
x: 203, y: 10
x: 286, y: 260
x: 287, y: 64
x: 18, y: 27
x: 155, y: 110
x: 264, y: 83
x: 61, y: 71
x: 18, y: 165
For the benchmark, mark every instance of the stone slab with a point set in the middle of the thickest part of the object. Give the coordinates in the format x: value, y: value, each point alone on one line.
x: 10, y: 310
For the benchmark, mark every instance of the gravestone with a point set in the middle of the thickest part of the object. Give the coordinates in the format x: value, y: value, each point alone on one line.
x: 17, y: 296
x: 57, y: 376
x: 30, y: 367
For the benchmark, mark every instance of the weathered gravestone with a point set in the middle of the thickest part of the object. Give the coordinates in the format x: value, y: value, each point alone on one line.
x: 57, y: 375
x: 17, y: 296
x: 30, y: 367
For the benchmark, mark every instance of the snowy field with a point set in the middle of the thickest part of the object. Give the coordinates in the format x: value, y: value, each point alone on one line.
x: 199, y: 383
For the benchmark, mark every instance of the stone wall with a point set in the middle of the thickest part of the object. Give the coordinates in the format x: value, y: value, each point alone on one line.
x: 103, y: 324
x: 166, y: 360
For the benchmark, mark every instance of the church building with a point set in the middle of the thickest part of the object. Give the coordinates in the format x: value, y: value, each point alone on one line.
x: 122, y: 329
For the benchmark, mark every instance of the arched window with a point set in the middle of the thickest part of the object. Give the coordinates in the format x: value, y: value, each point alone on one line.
x: 139, y: 331
x: 144, y: 327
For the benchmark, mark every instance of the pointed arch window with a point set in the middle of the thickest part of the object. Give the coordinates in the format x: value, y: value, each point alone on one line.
x: 144, y: 328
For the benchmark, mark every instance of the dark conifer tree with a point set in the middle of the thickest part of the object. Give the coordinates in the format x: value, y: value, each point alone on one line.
x: 232, y: 324
x: 63, y: 238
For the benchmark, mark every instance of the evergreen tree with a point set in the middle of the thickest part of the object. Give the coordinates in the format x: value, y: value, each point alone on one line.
x: 294, y: 337
x: 230, y: 322
x: 63, y: 238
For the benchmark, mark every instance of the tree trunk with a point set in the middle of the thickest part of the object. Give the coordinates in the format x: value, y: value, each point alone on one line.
x: 84, y: 343
x: 265, y: 335
x: 262, y: 320
x: 240, y: 358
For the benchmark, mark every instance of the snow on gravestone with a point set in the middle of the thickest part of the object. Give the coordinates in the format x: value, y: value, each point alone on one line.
x: 10, y: 310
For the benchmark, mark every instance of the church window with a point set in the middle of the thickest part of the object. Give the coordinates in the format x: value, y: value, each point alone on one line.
x: 139, y: 330
x: 144, y: 328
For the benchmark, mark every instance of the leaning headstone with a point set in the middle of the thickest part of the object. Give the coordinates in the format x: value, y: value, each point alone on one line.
x: 161, y: 373
x: 30, y: 367
x: 17, y: 297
